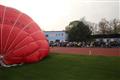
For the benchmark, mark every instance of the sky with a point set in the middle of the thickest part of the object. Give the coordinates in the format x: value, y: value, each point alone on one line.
x: 55, y: 15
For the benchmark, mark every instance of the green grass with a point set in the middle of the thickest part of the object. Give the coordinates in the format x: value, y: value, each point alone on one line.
x: 66, y: 67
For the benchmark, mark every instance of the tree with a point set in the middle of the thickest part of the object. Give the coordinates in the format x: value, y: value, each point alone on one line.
x: 109, y: 27
x: 78, y: 31
x: 104, y: 27
x: 115, y: 23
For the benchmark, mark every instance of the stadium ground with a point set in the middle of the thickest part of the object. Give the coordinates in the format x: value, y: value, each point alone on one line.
x: 87, y: 51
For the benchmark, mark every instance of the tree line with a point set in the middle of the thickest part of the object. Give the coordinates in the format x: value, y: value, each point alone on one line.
x: 79, y: 30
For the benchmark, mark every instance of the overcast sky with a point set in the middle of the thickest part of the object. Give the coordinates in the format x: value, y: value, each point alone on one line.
x: 56, y: 14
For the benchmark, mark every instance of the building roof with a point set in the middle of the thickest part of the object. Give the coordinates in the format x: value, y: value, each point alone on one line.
x: 106, y: 36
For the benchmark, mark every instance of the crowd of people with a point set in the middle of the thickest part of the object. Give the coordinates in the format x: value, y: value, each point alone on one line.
x: 108, y: 44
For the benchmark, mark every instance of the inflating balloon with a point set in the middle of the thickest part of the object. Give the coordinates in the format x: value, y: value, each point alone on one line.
x: 21, y: 39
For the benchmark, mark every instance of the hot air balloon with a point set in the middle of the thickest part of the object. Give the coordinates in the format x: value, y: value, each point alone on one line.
x: 21, y: 39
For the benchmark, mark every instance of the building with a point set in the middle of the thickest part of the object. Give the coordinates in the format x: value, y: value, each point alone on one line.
x: 56, y: 36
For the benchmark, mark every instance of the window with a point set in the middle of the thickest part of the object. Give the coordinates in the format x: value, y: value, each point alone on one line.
x: 46, y: 35
x: 62, y: 34
x: 59, y: 34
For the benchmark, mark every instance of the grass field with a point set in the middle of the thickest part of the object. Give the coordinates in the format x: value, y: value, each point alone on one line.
x: 66, y: 67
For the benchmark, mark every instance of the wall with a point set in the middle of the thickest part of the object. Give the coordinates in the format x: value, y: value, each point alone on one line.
x: 56, y: 35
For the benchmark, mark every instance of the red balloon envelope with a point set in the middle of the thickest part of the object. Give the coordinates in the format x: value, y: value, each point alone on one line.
x: 21, y: 39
